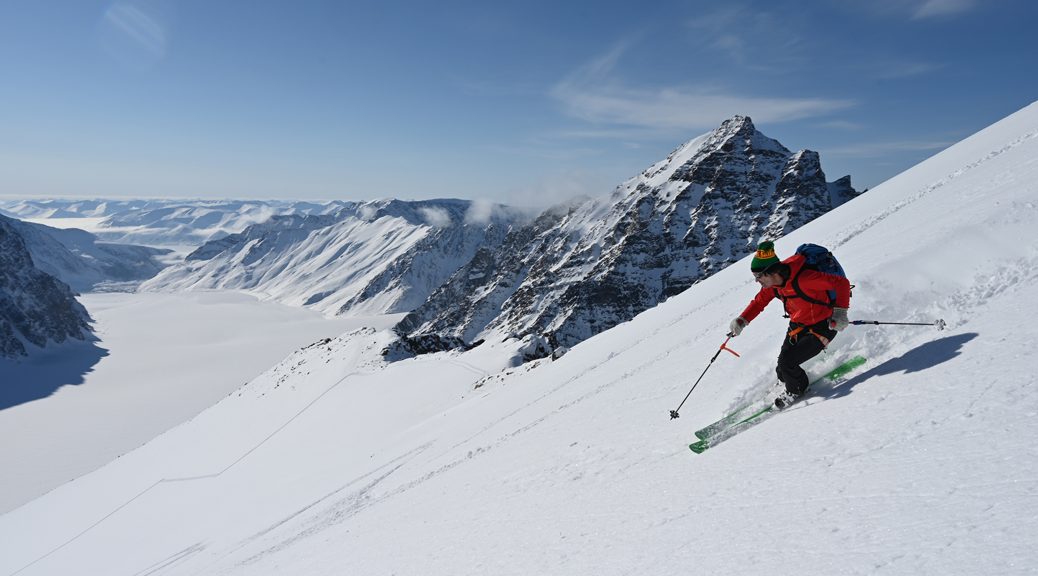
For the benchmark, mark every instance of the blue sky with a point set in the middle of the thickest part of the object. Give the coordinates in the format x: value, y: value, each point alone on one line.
x: 520, y: 102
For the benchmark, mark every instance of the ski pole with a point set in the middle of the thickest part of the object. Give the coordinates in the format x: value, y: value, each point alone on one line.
x: 724, y: 346
x: 938, y: 323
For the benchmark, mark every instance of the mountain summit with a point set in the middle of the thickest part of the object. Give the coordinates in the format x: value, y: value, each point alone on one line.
x: 463, y: 271
x: 578, y: 270
x: 922, y: 462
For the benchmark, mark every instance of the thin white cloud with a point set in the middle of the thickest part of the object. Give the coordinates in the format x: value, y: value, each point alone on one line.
x: 367, y: 213
x: 755, y: 39
x: 134, y: 33
x: 553, y: 189
x: 905, y: 69
x: 937, y: 8
x: 138, y: 26
x: 841, y: 125
x: 592, y: 94
x: 435, y: 217
x: 912, y: 9
x: 879, y: 149
x: 480, y: 212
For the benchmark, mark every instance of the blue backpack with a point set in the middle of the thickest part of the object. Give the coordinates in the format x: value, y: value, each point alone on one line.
x: 821, y: 259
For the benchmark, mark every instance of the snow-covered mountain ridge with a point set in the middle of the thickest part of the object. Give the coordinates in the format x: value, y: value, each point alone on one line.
x: 581, y: 269
x: 377, y: 257
x: 465, y: 271
x: 922, y: 463
x: 171, y: 222
x: 35, y: 307
x: 41, y: 270
x: 76, y: 257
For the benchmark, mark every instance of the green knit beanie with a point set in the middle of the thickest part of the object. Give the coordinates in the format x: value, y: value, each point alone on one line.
x: 764, y: 257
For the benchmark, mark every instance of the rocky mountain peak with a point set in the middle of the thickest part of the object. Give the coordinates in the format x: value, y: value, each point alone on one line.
x: 736, y: 126
x: 569, y: 276
x: 738, y: 135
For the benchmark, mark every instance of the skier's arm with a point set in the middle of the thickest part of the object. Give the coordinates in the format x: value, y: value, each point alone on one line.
x: 756, y: 306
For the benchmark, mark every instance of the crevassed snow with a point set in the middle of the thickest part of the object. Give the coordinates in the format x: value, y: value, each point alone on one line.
x: 922, y: 463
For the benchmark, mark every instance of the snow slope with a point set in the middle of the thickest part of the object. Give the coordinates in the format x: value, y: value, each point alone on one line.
x: 923, y: 463
x: 77, y: 258
x: 378, y: 257
x: 159, y: 360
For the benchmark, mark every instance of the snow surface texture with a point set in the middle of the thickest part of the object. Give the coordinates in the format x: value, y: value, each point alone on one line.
x: 160, y: 360
x: 923, y: 463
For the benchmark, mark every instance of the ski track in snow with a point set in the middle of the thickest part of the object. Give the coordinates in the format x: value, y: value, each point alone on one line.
x: 340, y: 511
x: 174, y: 480
x: 172, y: 561
x: 1008, y: 277
x: 356, y: 502
x: 873, y: 220
x: 918, y: 485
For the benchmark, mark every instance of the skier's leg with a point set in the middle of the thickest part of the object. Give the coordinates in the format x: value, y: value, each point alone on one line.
x: 794, y: 353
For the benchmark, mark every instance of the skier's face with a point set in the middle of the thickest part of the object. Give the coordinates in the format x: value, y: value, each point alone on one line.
x: 768, y: 280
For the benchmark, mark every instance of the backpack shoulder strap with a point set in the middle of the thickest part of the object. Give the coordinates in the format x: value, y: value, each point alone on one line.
x: 785, y: 302
x: 800, y: 292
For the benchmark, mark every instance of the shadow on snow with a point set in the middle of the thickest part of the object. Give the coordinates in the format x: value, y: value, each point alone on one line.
x: 917, y: 359
x: 41, y: 374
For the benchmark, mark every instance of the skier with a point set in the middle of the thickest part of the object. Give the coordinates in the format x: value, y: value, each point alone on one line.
x: 813, y: 322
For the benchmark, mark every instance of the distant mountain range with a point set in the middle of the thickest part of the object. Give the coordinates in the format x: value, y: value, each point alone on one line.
x: 78, y: 259
x: 164, y: 222
x: 462, y: 271
x: 379, y: 257
x: 41, y: 269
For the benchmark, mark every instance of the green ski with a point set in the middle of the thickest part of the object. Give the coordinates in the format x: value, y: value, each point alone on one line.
x: 750, y: 414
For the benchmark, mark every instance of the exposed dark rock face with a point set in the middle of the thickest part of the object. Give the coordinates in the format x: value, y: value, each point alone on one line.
x: 426, y: 344
x: 584, y: 268
x: 35, y: 307
x: 76, y: 257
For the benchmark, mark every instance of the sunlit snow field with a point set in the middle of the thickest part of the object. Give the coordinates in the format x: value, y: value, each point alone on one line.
x: 923, y: 462
x: 160, y: 359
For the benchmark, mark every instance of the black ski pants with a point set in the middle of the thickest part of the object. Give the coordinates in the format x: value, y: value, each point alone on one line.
x: 798, y: 348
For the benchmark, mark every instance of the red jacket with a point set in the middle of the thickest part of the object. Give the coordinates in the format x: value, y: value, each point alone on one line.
x: 812, y: 283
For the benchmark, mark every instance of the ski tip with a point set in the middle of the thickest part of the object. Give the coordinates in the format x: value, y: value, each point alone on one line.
x: 698, y: 447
